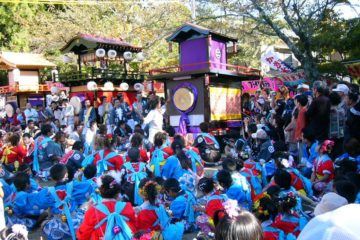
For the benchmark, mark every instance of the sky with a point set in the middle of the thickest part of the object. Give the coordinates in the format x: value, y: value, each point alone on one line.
x: 348, y: 12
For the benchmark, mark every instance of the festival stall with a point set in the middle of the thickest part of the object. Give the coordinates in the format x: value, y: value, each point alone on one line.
x: 204, y: 87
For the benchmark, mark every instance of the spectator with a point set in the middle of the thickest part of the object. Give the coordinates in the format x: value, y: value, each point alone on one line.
x: 31, y: 113
x: 337, y: 124
x: 318, y: 114
x: 301, y: 102
x: 353, y: 118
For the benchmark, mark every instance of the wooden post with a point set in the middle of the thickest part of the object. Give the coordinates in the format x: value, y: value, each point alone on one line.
x: 79, y: 62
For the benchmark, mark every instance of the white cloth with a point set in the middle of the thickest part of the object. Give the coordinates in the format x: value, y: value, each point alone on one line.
x: 329, y: 202
x: 90, y: 137
x: 31, y: 114
x: 155, y: 121
x: 340, y: 224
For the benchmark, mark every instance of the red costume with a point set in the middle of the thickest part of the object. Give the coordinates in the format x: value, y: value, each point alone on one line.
x: 143, y: 156
x: 116, y: 161
x: 324, y: 165
x: 289, y: 223
x: 11, y: 154
x: 93, y: 216
x: 146, y: 220
x: 213, y: 205
x: 30, y: 149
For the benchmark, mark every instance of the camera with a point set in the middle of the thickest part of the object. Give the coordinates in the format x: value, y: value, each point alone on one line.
x: 273, y: 93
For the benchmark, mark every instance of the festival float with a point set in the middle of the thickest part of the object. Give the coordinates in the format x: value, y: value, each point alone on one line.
x: 102, y: 68
x: 25, y: 81
x: 204, y: 87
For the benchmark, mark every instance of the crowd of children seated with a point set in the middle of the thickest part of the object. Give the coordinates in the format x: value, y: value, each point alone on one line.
x: 165, y: 193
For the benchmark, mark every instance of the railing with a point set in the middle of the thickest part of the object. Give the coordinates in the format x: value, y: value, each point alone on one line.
x: 206, y: 65
x: 100, y: 74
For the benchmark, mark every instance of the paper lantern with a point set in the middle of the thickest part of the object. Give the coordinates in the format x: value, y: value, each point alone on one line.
x: 100, y: 53
x: 91, y: 86
x: 140, y: 56
x: 109, y: 86
x: 112, y: 54
x: 138, y: 87
x: 128, y: 56
x: 124, y: 86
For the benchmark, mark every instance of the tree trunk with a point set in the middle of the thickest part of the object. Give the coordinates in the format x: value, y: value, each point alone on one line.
x: 310, y: 69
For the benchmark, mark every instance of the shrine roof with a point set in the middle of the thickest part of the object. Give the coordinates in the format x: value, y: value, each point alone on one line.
x: 189, y: 30
x: 82, y: 42
x: 11, y: 60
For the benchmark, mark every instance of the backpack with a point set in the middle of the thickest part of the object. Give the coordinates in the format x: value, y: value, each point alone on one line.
x: 116, y: 227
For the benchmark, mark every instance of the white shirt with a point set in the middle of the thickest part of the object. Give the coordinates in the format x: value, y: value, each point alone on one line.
x: 31, y: 114
x: 68, y: 115
x: 155, y: 121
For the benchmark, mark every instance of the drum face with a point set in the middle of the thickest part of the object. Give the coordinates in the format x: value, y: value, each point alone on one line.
x: 183, y: 99
x: 76, y: 103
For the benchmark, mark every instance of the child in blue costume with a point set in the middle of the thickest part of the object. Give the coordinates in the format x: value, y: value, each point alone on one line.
x: 28, y: 208
x: 229, y: 164
x: 160, y: 152
x: 234, y: 191
x: 182, y: 205
x: 68, y: 196
x: 152, y: 216
x: 34, y: 186
x: 134, y: 171
x: 89, y: 176
x: 309, y: 153
x: 352, y: 152
x: 178, y: 164
x: 283, y: 180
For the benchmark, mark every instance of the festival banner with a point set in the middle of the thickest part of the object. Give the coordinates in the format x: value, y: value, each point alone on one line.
x: 273, y: 60
x: 251, y: 86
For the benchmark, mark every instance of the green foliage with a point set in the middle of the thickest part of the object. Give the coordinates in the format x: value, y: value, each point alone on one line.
x: 15, y: 30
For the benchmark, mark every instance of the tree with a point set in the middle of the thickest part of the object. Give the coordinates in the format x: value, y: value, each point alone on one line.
x: 303, y: 19
x: 14, y: 22
x: 138, y: 23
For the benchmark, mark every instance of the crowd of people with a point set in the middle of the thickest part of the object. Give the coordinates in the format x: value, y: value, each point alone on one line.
x: 119, y: 171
